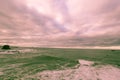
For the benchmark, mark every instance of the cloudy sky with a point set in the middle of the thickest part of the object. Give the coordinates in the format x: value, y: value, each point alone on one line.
x: 67, y: 23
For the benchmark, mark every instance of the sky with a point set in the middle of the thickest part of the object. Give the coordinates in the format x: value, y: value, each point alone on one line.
x: 60, y: 23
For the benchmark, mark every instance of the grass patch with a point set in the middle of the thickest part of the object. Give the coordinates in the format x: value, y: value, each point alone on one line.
x: 18, y: 66
x: 33, y: 65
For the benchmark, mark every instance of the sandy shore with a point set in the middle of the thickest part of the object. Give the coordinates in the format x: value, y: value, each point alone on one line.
x: 84, y: 72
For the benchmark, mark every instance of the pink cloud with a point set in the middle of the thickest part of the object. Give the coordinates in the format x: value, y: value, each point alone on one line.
x: 54, y: 22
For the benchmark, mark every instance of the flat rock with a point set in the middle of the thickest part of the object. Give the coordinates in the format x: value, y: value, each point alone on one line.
x: 86, y: 63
